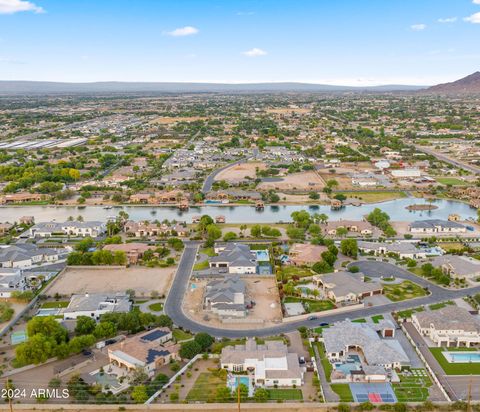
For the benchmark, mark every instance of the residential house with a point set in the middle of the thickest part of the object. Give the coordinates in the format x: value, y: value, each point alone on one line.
x: 404, y: 250
x: 226, y: 297
x: 344, y: 287
x: 5, y: 228
x: 448, y: 326
x: 133, y: 251
x: 26, y: 255
x: 96, y: 304
x: 436, y: 226
x: 148, y: 351
x: 374, y: 344
x: 234, y: 258
x: 458, y: 266
x: 11, y: 280
x: 146, y: 228
x: 269, y: 365
x: 73, y: 228
x: 362, y: 227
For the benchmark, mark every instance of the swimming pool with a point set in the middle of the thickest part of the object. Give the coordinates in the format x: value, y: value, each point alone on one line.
x: 234, y: 381
x: 48, y: 312
x: 262, y: 255
x: 462, y: 357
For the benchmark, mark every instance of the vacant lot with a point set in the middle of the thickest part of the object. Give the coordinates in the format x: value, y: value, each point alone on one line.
x: 142, y: 280
x: 240, y: 172
x: 303, y: 181
x: 403, y: 291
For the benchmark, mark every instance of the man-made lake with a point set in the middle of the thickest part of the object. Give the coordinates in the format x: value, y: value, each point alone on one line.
x: 239, y: 214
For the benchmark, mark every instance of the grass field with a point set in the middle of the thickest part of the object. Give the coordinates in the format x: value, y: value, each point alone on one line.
x: 156, y: 307
x: 206, y: 385
x: 208, y: 251
x: 377, y: 318
x: 311, y: 305
x: 471, y: 368
x: 285, y: 394
x: 343, y: 391
x: 413, y: 388
x: 441, y: 305
x: 180, y: 335
x: 452, y: 181
x: 403, y: 291
x: 287, y: 272
x: 54, y: 305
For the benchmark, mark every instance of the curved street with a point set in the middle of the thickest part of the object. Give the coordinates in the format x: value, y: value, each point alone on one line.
x: 173, y: 304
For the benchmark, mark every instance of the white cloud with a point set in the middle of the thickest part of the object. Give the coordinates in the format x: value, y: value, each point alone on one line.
x: 448, y: 19
x: 255, y: 52
x: 476, y: 1
x: 15, y: 6
x: 418, y: 27
x: 474, y: 18
x: 182, y: 31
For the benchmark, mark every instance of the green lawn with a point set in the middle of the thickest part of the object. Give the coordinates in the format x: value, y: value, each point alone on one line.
x: 470, y: 368
x: 413, y: 388
x: 206, y: 385
x: 377, y: 318
x: 311, y: 305
x: 452, y: 181
x: 209, y: 251
x: 403, y: 291
x: 327, y: 366
x: 201, y: 265
x: 440, y: 305
x: 285, y: 394
x: 180, y: 335
x: 218, y: 346
x: 287, y: 272
x: 156, y: 307
x: 343, y: 391
x: 408, y: 313
x: 361, y: 320
x: 54, y: 305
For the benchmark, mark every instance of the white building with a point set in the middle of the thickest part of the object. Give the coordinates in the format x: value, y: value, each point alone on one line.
x: 268, y: 365
x: 95, y: 305
x: 448, y: 326
x: 436, y: 226
x: 74, y: 228
x: 11, y: 280
x: 234, y: 258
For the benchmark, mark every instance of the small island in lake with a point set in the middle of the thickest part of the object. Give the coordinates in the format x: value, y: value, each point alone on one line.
x: 421, y: 207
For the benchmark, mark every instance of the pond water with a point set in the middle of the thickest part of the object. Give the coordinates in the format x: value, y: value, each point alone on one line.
x: 240, y: 214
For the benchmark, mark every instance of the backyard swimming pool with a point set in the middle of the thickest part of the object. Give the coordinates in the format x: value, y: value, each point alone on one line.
x: 262, y: 256
x: 234, y: 381
x: 462, y: 357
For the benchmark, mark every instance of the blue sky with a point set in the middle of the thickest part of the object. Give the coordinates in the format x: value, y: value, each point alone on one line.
x: 354, y: 42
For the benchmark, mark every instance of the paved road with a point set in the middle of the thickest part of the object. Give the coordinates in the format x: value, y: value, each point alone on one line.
x: 173, y: 304
x: 207, y: 184
x: 447, y: 159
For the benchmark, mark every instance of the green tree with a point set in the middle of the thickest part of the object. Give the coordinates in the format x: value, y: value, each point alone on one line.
x: 85, y: 325
x: 190, y: 349
x: 349, y: 247
x: 204, y: 340
x: 223, y: 394
x: 229, y: 236
x: 139, y: 394
x: 105, y: 330
x: 256, y: 231
x: 261, y: 395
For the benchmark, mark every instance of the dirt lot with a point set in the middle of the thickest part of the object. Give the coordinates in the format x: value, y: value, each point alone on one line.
x: 261, y: 290
x: 240, y: 172
x: 297, y: 181
x: 142, y: 280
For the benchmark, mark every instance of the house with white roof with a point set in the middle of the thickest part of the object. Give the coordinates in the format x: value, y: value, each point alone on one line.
x: 448, y: 326
x: 268, y: 365
x: 234, y: 258
x: 95, y: 305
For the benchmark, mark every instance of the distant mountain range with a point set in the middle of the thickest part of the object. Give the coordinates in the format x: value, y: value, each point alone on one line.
x: 33, y: 87
x: 467, y: 85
